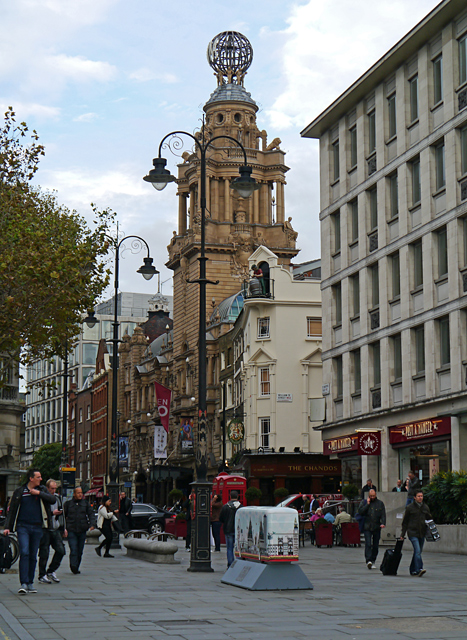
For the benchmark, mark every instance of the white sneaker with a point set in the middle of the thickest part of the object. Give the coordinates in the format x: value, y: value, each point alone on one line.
x: 23, y: 590
x: 369, y: 565
x: 45, y: 580
x: 53, y: 576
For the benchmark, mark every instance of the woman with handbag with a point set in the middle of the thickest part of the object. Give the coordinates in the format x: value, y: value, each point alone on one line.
x: 105, y: 517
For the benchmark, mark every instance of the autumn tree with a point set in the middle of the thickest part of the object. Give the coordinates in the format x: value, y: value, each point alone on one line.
x: 52, y: 264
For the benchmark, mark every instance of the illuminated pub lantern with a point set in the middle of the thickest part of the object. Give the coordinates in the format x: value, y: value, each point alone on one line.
x: 224, y: 483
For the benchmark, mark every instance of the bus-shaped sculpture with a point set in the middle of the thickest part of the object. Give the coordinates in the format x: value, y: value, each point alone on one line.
x: 266, y: 534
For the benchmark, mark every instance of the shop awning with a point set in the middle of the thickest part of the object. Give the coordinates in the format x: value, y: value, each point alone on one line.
x: 94, y: 493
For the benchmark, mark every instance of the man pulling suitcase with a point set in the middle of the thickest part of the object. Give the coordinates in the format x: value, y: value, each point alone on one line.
x: 414, y: 524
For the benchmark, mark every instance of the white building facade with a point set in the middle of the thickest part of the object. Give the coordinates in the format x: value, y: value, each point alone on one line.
x: 393, y: 175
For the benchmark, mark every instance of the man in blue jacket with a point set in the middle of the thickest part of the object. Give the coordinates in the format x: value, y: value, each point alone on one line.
x: 29, y: 515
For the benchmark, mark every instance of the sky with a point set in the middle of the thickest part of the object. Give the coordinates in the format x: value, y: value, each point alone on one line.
x: 103, y: 81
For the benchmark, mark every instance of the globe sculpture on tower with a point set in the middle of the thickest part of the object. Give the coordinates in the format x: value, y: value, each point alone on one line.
x: 230, y: 55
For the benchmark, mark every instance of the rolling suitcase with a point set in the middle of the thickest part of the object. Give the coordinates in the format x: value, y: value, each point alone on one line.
x: 391, y: 560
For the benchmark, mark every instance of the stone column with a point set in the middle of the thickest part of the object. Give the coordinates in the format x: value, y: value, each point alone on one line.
x: 215, y: 199
x: 226, y: 200
x: 182, y: 213
x: 255, y: 207
x: 280, y: 202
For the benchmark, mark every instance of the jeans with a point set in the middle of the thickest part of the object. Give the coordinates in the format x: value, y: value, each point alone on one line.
x: 371, y: 544
x: 50, y: 538
x: 29, y: 539
x: 76, y: 542
x: 216, y: 534
x: 417, y: 563
x: 106, y: 530
x: 230, y: 541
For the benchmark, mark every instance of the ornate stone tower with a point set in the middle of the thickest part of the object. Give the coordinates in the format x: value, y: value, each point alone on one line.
x: 235, y: 227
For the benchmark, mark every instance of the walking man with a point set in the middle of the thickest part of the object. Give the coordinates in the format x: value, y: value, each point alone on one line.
x: 227, y: 517
x: 414, y: 525
x: 374, y: 512
x: 29, y: 515
x: 79, y: 518
x: 52, y: 537
x: 413, y: 485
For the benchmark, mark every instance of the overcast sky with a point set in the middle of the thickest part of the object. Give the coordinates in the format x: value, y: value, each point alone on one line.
x: 102, y: 81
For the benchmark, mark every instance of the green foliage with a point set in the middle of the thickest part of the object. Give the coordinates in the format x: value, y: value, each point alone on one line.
x: 51, y: 263
x: 350, y: 491
x: 180, y: 516
x: 446, y: 495
x: 281, y: 493
x: 253, y: 493
x: 175, y: 495
x: 47, y: 460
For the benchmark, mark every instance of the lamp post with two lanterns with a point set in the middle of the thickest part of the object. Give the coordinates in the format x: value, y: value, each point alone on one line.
x: 245, y: 185
x: 147, y: 270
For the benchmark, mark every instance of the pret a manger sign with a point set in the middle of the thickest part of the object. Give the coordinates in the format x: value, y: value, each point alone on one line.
x: 431, y: 428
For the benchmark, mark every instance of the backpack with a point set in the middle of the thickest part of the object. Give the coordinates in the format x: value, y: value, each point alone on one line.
x: 6, y: 557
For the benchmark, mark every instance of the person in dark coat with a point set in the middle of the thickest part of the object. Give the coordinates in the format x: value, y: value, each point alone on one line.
x: 414, y: 525
x: 216, y: 507
x: 399, y: 487
x: 79, y: 517
x: 413, y: 485
x: 124, y: 512
x: 52, y: 537
x: 374, y: 513
x: 227, y: 517
x: 366, y: 487
x: 188, y: 507
x: 29, y: 515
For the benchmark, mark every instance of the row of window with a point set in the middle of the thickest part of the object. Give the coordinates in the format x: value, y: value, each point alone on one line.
x: 391, y: 121
x: 393, y: 205
x: 443, y: 358
x: 313, y: 328
x: 46, y: 434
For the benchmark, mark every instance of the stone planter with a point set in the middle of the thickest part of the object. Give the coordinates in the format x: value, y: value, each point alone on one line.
x: 92, y: 537
x: 453, y: 539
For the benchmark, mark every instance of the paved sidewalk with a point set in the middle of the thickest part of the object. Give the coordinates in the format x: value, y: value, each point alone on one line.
x: 120, y: 598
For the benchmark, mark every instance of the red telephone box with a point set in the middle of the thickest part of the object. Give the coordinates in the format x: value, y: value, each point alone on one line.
x: 224, y: 483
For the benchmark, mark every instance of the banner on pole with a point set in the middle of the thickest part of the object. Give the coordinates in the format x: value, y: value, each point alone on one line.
x: 163, y: 397
x: 160, y: 441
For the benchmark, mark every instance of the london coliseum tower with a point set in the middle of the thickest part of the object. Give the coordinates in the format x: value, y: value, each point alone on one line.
x: 235, y: 227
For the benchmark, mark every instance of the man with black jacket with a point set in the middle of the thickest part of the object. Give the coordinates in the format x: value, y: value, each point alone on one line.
x: 413, y: 485
x: 414, y: 525
x: 79, y: 518
x: 227, y: 517
x: 374, y: 512
x: 29, y: 515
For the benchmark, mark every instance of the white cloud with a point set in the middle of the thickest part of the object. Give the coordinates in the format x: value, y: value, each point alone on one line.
x: 80, y: 69
x: 25, y: 110
x: 145, y: 75
x: 86, y: 117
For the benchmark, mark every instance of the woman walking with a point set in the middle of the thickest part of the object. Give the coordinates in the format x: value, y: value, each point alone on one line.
x: 105, y: 517
x: 216, y: 506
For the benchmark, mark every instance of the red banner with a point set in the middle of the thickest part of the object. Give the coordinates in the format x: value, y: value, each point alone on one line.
x: 363, y: 443
x: 163, y: 397
x: 421, y: 430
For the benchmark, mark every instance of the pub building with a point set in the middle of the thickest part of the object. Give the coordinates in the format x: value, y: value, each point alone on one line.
x: 297, y: 471
x: 350, y: 450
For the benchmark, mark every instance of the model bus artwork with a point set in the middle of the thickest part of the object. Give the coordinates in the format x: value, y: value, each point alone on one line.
x: 266, y: 534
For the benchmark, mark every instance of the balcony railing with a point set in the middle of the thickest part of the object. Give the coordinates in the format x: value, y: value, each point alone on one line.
x: 254, y: 288
x: 9, y: 393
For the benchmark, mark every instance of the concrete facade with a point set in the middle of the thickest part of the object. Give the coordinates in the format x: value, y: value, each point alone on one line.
x: 393, y: 174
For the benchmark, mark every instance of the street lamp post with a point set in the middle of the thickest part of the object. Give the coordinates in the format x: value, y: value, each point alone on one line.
x: 159, y: 177
x: 147, y: 270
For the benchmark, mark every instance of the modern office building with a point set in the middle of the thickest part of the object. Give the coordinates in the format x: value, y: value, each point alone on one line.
x: 393, y: 175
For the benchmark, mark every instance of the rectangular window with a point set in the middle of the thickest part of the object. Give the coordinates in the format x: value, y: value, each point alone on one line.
x: 357, y: 371
x: 314, y: 327
x: 413, y: 99
x: 442, y: 252
x: 338, y: 302
x: 418, y: 264
x: 356, y: 295
x: 339, y: 377
x: 416, y: 186
x: 80, y: 415
x: 392, y: 115
x: 464, y: 228
x: 420, y: 349
x: 353, y: 147
x: 438, y: 79
x: 80, y: 442
x: 371, y: 132
x: 464, y: 150
x: 393, y: 196
x: 265, y: 430
x: 354, y: 215
x: 397, y: 349
x: 376, y: 364
x: 263, y: 328
x: 396, y: 275
x: 373, y: 209
x: 444, y: 341
x: 265, y: 383
x: 439, y: 167
x: 463, y: 60
x: 336, y: 223
x: 374, y: 285
x: 88, y: 412
x: 88, y: 441
x: 335, y: 160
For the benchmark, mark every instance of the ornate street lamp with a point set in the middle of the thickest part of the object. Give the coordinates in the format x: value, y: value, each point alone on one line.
x: 147, y: 270
x: 245, y: 185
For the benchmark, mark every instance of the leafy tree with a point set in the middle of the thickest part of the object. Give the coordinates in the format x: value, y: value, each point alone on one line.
x: 47, y: 460
x: 51, y: 263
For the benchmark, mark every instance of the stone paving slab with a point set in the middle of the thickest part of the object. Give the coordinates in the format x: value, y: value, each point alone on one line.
x: 127, y: 599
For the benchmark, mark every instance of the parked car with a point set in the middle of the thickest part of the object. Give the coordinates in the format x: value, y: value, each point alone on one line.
x: 148, y: 517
